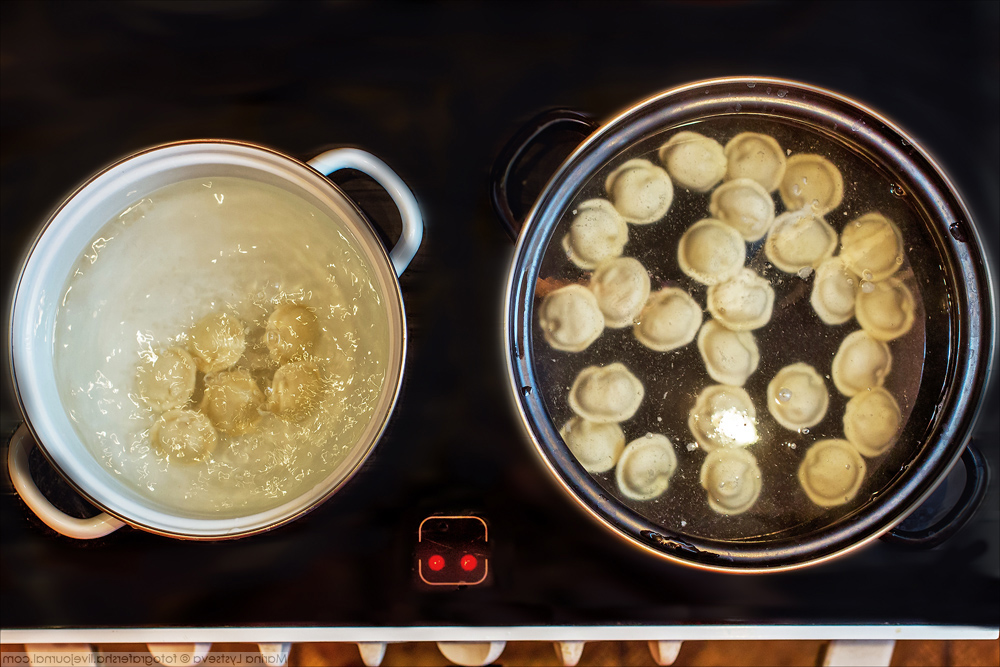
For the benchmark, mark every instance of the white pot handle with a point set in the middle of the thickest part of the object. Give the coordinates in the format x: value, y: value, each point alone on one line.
x: 413, y: 224
x: 81, y: 529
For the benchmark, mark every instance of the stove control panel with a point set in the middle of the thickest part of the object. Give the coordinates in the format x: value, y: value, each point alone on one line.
x: 453, y: 551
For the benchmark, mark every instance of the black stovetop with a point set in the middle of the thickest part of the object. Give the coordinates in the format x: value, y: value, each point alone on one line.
x: 435, y: 90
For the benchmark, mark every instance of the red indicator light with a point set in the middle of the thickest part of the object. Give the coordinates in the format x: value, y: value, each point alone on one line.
x: 435, y: 562
x: 469, y: 562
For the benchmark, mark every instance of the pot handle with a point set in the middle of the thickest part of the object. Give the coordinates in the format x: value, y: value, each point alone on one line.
x: 413, y: 224
x: 977, y: 480
x: 518, y: 145
x: 51, y: 516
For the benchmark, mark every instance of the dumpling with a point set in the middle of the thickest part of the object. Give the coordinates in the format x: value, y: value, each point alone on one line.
x: 757, y: 157
x: 834, y: 291
x: 711, y: 251
x: 831, y: 472
x: 606, y: 394
x: 597, y: 233
x: 641, y: 191
x: 694, y: 161
x: 621, y: 286
x: 742, y: 303
x: 291, y: 331
x: 861, y: 363
x: 570, y: 318
x: 217, y: 342
x: 872, y: 247
x: 169, y: 381
x: 645, y: 467
x: 295, y: 390
x: 723, y: 416
x: 732, y: 479
x: 232, y: 400
x: 669, y: 320
x: 811, y: 181
x: 872, y: 421
x: 183, y: 435
x: 730, y: 356
x: 797, y: 397
x: 744, y: 205
x: 799, y: 240
x: 885, y: 309
x: 596, y: 446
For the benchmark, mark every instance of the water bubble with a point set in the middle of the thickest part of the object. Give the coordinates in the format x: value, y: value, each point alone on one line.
x: 804, y: 431
x: 784, y: 394
x: 691, y: 446
x: 782, y: 92
x: 957, y: 232
x: 526, y: 390
x: 738, y: 106
x: 805, y: 272
x: 867, y: 287
x: 897, y: 190
x: 899, y: 259
x: 751, y: 84
x: 866, y: 274
x: 791, y: 445
x: 796, y: 189
x: 684, y: 523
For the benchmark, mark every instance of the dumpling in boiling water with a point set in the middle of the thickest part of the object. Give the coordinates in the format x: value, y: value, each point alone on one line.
x: 872, y: 421
x: 295, y: 390
x: 742, y: 303
x: 711, y: 252
x: 291, y: 331
x: 861, y: 363
x: 885, y: 309
x: 597, y: 233
x: 621, y: 286
x: 811, y: 181
x: 730, y: 356
x: 669, y: 320
x: 232, y: 401
x: 732, y: 479
x: 831, y: 472
x: 169, y: 381
x: 570, y: 318
x: 834, y: 291
x: 645, y: 467
x: 606, y: 394
x: 694, y: 161
x: 744, y: 205
x: 797, y: 397
x: 872, y: 247
x: 183, y: 435
x: 641, y: 191
x: 217, y: 342
x: 757, y: 157
x: 596, y: 446
x: 723, y: 416
x: 799, y: 240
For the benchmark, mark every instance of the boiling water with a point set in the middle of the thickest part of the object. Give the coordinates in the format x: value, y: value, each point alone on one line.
x: 206, y: 246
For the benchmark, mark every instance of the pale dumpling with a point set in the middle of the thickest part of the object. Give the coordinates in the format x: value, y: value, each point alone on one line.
x: 232, y: 400
x: 757, y: 157
x: 597, y: 233
x: 831, y: 472
x: 183, y: 435
x: 711, y: 252
x: 834, y: 292
x: 811, y: 181
x: 742, y: 303
x: 291, y: 331
x: 641, y: 191
x: 723, y: 416
x: 169, y: 380
x: 570, y: 318
x: 217, y: 342
x: 872, y: 421
x: 621, y: 286
x: 694, y: 161
x: 730, y: 356
x: 606, y: 394
x: 744, y: 205
x: 886, y: 309
x: 732, y: 479
x: 670, y: 319
x: 295, y: 390
x: 797, y: 397
x: 861, y: 363
x: 872, y: 246
x: 596, y: 446
x: 799, y: 240
x: 646, y: 466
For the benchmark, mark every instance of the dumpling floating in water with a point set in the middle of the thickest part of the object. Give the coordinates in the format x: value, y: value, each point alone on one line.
x: 217, y: 342
x: 669, y: 320
x: 641, y: 191
x: 596, y: 446
x: 799, y: 240
x: 834, y: 291
x: 757, y: 157
x: 621, y: 286
x: 744, y: 205
x: 597, y: 233
x: 646, y: 466
x: 606, y: 394
x: 694, y: 161
x: 291, y: 331
x: 861, y: 363
x: 885, y: 309
x: 183, y: 435
x: 831, y: 472
x: 730, y: 356
x: 711, y: 252
x: 872, y: 247
x: 570, y: 318
x: 872, y: 421
x: 797, y: 397
x: 295, y: 390
x: 811, y: 181
x: 232, y: 400
x: 742, y: 303
x: 723, y: 416
x: 169, y: 380
x: 732, y: 479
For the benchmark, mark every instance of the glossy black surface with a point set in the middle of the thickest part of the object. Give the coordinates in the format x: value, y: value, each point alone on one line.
x: 435, y: 90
